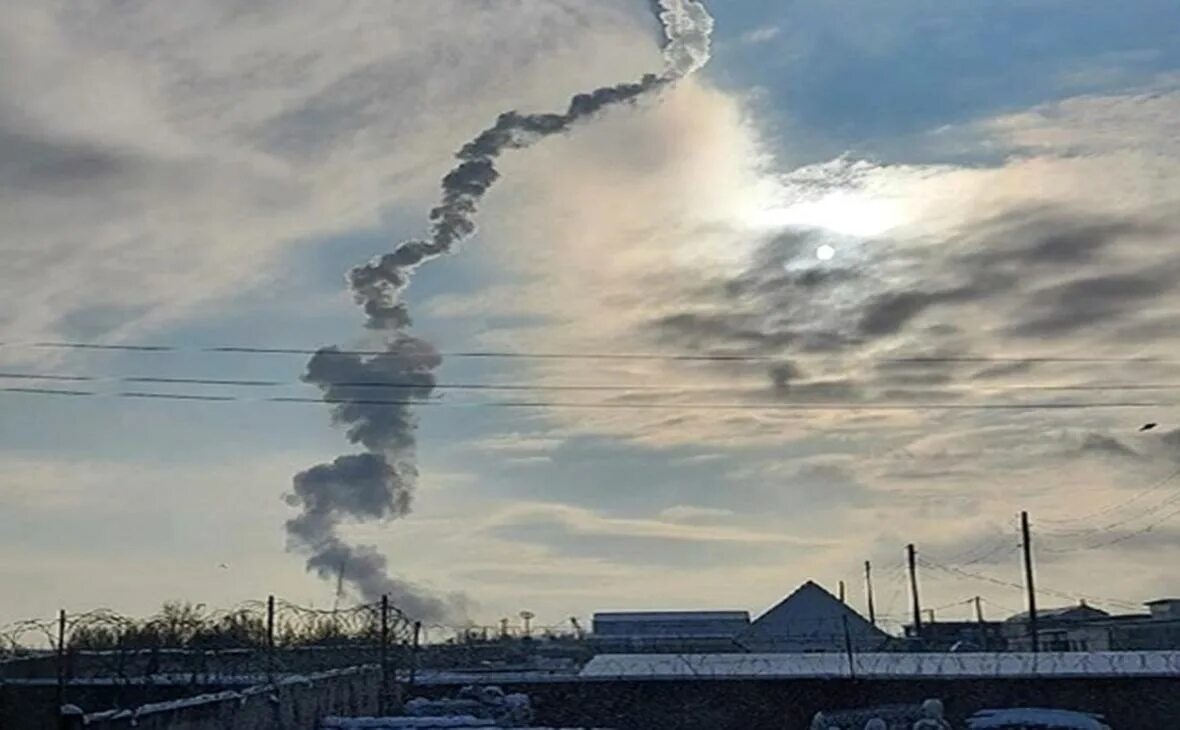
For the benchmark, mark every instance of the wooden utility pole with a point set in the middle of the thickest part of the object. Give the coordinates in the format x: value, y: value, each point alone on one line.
x: 982, y: 625
x: 1026, y: 541
x: 869, y: 592
x: 842, y: 593
x: 912, y: 560
x: 848, y: 647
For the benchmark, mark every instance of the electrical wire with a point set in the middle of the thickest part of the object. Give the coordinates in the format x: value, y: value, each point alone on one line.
x: 585, y: 405
x: 589, y: 387
x: 1155, y: 486
x: 493, y: 354
x: 1040, y: 589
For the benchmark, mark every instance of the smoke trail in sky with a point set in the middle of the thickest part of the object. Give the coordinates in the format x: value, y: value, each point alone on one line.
x: 378, y: 484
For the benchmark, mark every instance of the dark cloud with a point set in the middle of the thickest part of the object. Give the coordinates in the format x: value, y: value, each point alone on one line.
x: 887, y: 314
x: 714, y: 332
x: 1047, y: 237
x: 1103, y: 445
x: 1065, y: 309
x: 33, y: 162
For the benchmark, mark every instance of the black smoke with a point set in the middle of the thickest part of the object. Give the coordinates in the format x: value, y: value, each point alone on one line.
x: 372, y: 395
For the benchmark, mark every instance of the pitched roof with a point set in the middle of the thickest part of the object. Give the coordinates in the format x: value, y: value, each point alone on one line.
x: 812, y: 617
x: 1079, y: 612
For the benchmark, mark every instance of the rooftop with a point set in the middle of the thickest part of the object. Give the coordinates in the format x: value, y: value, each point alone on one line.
x: 657, y: 616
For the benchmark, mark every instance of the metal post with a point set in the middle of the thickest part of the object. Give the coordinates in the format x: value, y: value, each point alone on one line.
x: 61, y: 660
x: 414, y: 656
x: 384, y: 651
x: 912, y: 559
x: 270, y: 638
x: 1026, y: 534
x: 869, y: 592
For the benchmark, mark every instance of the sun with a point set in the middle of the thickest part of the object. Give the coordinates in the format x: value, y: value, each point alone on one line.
x: 825, y: 253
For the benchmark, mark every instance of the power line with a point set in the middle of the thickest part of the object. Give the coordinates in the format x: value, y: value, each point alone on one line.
x: 588, y: 387
x: 583, y: 405
x: 494, y: 354
x: 1114, y: 508
x: 1117, y: 523
x: 1008, y: 584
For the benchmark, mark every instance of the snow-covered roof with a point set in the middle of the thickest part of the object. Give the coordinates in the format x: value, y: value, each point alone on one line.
x: 412, y: 723
x: 884, y: 666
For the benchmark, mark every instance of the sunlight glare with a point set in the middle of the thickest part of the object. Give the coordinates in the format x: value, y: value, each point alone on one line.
x: 842, y: 212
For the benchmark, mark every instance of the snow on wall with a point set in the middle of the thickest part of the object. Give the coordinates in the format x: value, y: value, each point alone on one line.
x: 293, y: 703
x: 884, y: 666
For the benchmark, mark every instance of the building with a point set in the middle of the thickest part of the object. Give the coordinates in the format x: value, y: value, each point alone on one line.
x: 1083, y: 628
x: 958, y: 636
x: 1056, y: 628
x: 680, y: 631
x: 812, y: 620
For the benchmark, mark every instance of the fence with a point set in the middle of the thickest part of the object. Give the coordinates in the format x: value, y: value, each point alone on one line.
x: 104, y: 660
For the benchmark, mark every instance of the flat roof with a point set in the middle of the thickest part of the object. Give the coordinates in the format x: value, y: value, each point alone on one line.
x: 895, y: 665
x: 638, y: 616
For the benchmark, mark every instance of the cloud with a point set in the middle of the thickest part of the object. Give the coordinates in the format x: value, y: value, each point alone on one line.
x: 518, y: 444
x: 1103, y: 445
x: 579, y: 533
x: 156, y: 164
x: 758, y: 36
x: 693, y: 514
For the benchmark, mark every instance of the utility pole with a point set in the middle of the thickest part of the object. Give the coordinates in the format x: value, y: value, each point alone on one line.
x: 848, y: 647
x: 1026, y: 542
x: 930, y: 615
x: 842, y: 594
x: 982, y: 625
x: 912, y: 559
x: 869, y: 592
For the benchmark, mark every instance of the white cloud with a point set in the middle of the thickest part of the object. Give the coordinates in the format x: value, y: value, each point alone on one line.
x: 765, y: 34
x: 156, y: 160
x: 519, y: 444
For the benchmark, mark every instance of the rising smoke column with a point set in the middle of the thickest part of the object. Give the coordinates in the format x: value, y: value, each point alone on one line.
x: 378, y: 485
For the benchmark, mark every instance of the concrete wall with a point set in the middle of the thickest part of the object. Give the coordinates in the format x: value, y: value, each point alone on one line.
x: 704, y: 704
x: 291, y: 704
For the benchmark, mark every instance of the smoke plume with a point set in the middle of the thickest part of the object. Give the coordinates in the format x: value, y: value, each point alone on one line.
x: 378, y: 484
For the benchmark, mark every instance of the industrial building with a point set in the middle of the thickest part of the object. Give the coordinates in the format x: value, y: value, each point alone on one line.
x: 643, y: 631
x: 808, y: 620
x: 1084, y: 628
x: 1064, y: 629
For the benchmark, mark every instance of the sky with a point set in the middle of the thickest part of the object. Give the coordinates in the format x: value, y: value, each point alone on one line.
x: 992, y: 188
